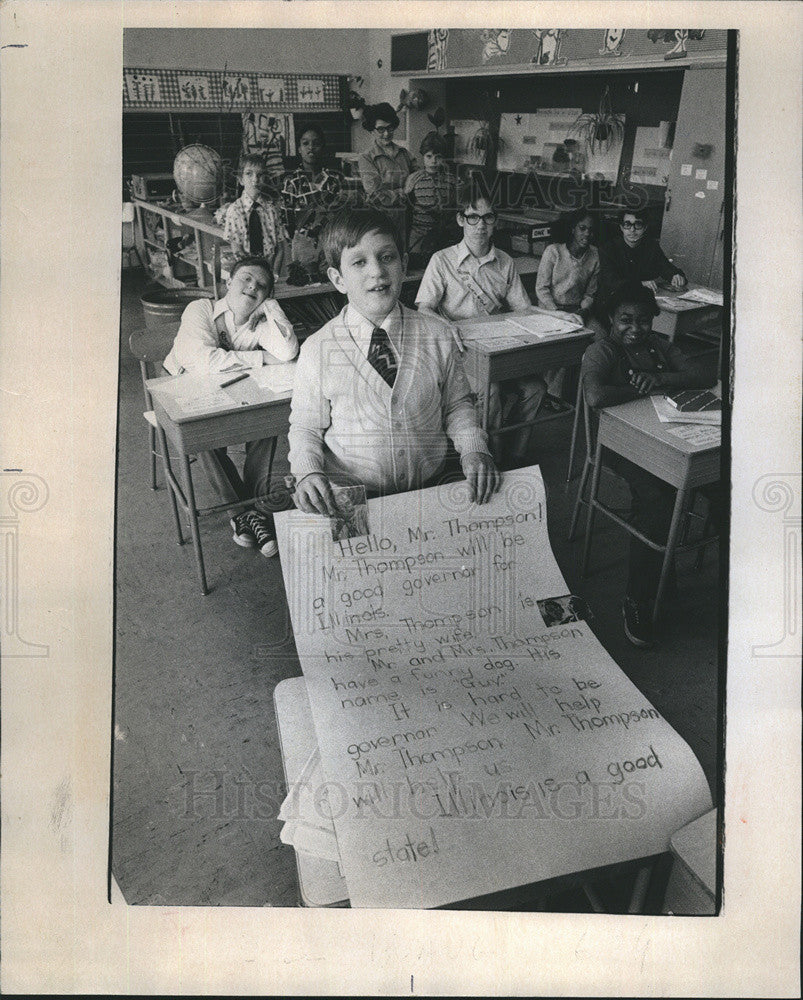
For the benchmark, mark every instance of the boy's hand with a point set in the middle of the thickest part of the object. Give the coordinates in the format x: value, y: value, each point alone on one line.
x: 482, y: 476
x: 652, y: 285
x: 314, y: 495
x: 678, y: 281
x: 645, y: 383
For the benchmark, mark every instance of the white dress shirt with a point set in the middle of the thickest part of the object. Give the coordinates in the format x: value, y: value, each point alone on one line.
x: 197, y: 344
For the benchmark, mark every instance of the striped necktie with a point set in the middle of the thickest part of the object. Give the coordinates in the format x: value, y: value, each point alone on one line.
x: 381, y: 356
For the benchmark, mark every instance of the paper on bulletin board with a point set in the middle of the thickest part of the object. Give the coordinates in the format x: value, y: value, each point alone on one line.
x: 468, y: 747
x: 651, y: 159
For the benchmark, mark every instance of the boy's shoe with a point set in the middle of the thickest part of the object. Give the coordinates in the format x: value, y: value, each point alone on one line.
x: 243, y: 532
x: 638, y: 623
x: 262, y: 530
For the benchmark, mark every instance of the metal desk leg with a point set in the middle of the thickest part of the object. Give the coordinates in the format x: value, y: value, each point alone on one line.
x: 170, y: 480
x: 669, y: 552
x: 192, y: 510
x: 592, y: 499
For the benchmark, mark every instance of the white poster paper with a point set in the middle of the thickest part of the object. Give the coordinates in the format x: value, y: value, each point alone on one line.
x: 470, y: 747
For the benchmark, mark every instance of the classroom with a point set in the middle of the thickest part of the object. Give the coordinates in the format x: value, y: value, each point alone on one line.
x: 446, y: 619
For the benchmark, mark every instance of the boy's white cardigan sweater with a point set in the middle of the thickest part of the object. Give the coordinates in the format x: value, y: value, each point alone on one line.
x: 347, y: 423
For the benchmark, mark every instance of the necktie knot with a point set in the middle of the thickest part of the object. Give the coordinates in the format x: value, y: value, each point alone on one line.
x: 381, y: 356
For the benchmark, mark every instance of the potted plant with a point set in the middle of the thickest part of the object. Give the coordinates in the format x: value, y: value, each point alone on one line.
x: 600, y: 129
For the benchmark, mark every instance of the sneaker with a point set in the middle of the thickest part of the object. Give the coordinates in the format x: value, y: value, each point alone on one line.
x: 262, y: 530
x: 243, y: 533
x: 638, y: 623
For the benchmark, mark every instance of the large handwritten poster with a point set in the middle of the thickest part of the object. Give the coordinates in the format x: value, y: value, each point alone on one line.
x: 472, y: 739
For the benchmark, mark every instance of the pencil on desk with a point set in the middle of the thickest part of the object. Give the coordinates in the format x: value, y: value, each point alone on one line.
x: 235, y: 378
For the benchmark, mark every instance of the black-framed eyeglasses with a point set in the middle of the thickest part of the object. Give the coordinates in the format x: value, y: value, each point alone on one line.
x: 385, y: 129
x: 489, y: 219
x: 633, y: 225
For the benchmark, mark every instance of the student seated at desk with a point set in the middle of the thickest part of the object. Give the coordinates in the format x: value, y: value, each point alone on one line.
x: 568, y: 274
x: 252, y: 225
x: 473, y: 278
x: 634, y: 255
x: 633, y: 362
x: 380, y: 386
x: 431, y: 192
x: 245, y: 329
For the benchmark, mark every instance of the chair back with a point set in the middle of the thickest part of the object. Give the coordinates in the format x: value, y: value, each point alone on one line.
x: 151, y: 345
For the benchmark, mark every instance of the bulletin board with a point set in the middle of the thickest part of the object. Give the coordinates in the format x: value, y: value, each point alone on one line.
x: 539, y: 133
x: 651, y: 156
x: 186, y: 89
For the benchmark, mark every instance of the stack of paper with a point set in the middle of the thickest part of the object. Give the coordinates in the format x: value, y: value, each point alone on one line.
x: 308, y: 825
x: 667, y: 414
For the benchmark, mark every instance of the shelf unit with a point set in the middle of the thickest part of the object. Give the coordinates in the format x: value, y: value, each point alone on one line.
x: 208, y: 240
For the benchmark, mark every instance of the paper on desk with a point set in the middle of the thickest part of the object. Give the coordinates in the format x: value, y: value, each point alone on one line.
x: 707, y: 296
x: 311, y: 840
x: 545, y: 324
x: 470, y: 746
x: 697, y: 434
x: 276, y: 378
x: 667, y: 414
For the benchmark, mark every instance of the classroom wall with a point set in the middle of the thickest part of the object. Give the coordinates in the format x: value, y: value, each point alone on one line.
x: 283, y: 50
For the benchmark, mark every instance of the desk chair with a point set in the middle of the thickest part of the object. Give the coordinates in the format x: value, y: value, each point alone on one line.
x: 150, y: 347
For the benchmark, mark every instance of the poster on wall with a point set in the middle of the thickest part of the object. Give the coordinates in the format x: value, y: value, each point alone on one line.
x: 464, y: 131
x: 271, y: 135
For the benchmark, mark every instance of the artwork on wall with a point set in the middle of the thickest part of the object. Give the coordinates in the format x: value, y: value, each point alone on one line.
x: 678, y: 38
x: 270, y: 135
x: 612, y: 42
x: 496, y: 42
x: 549, y: 43
x: 210, y: 90
x: 436, y: 49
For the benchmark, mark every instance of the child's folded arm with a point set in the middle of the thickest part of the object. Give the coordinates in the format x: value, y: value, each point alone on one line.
x: 597, y: 372
x: 276, y: 334
x: 543, y: 280
x: 196, y: 348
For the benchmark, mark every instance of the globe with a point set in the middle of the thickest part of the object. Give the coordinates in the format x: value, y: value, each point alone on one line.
x: 198, y: 173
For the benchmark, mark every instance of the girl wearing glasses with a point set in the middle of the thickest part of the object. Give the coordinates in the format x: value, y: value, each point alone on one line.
x: 635, y: 255
x: 384, y: 167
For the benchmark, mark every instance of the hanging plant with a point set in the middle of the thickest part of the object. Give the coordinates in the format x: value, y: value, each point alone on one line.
x: 601, y: 129
x: 486, y: 140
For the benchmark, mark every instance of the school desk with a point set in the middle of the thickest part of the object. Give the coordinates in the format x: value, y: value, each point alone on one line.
x: 681, y: 317
x: 485, y: 363
x: 321, y: 883
x: 266, y: 415
x: 634, y: 431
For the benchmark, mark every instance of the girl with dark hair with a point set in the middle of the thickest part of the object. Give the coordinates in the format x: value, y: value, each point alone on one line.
x: 569, y: 271
x: 310, y: 195
x: 384, y: 167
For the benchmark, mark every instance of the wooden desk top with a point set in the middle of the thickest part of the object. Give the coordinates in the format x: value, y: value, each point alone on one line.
x: 640, y: 416
x: 475, y: 323
x: 245, y: 395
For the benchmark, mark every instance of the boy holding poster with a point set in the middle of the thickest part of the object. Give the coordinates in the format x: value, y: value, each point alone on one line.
x: 379, y: 388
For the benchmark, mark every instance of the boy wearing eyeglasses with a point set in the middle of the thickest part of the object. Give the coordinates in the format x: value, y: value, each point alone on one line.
x: 474, y: 278
x: 635, y: 255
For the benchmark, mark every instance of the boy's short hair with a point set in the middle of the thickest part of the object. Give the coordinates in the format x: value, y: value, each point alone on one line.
x: 251, y: 160
x: 469, y: 194
x: 642, y: 214
x: 345, y: 230
x: 634, y: 293
x: 433, y: 142
x: 253, y: 261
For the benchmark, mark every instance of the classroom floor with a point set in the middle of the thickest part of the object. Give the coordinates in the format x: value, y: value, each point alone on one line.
x: 197, y: 772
